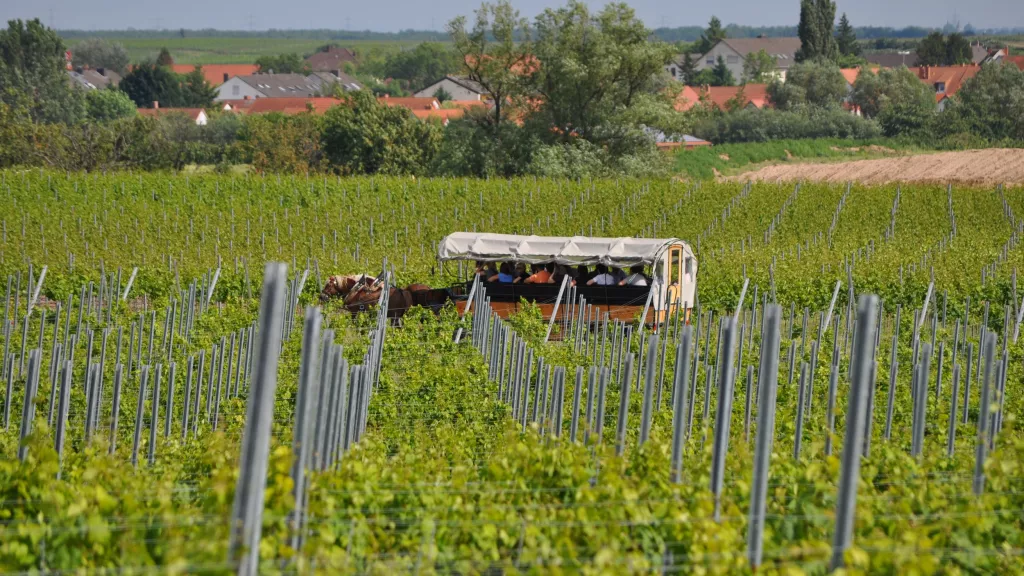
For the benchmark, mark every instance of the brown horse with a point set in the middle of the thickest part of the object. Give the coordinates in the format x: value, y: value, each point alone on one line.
x: 341, y: 286
x: 361, y: 292
x: 364, y: 297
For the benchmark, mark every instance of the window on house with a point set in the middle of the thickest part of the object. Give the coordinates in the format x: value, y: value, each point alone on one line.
x: 710, y: 61
x: 235, y: 90
x: 940, y: 87
x: 673, y: 72
x: 732, y: 59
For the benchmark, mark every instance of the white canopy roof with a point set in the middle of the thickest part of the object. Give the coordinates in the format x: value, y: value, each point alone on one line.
x: 621, y: 252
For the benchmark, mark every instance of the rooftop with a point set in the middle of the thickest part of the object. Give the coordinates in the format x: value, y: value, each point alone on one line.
x: 719, y: 96
x: 217, y: 74
x: 284, y: 85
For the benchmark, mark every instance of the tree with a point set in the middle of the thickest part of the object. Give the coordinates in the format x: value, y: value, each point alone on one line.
x: 32, y: 71
x: 958, y: 50
x: 705, y: 77
x: 422, y: 65
x: 148, y: 83
x: 688, y: 69
x: 721, y: 74
x: 711, y: 36
x: 99, y: 53
x: 579, y: 86
x: 442, y: 95
x: 107, y: 105
x: 737, y: 102
x: 364, y: 136
x: 873, y: 93
x: 817, y: 84
x: 164, y: 59
x: 931, y: 51
x: 990, y: 105
x: 758, y: 67
x: 496, y: 52
x: 846, y: 38
x: 817, y: 18
x: 282, y: 64
x: 196, y: 92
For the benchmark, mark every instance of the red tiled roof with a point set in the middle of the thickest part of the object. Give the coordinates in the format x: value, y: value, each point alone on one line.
x: 466, y: 103
x: 1018, y: 60
x: 718, y: 96
x: 850, y: 74
x: 444, y: 114
x: 283, y: 105
x: 952, y: 76
x: 214, y: 73
x: 192, y: 113
x: 528, y: 65
x: 411, y: 103
x: 334, y: 58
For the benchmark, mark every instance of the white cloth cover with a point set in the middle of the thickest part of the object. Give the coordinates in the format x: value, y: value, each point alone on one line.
x: 571, y: 251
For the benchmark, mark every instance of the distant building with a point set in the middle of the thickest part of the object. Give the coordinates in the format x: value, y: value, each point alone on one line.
x: 90, y: 79
x: 347, y: 83
x: 197, y: 115
x: 256, y: 86
x: 333, y: 59
x: 460, y: 88
x: 735, y: 50
x: 217, y: 74
x: 946, y: 80
x: 754, y: 96
x: 891, y: 59
x: 287, y: 106
x: 416, y: 103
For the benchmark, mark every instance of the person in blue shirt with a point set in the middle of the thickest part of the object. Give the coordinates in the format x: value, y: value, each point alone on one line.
x: 505, y: 274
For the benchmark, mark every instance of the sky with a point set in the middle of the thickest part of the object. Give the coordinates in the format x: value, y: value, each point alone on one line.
x: 394, y: 15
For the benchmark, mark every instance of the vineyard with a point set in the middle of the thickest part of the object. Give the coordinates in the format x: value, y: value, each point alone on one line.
x: 842, y: 396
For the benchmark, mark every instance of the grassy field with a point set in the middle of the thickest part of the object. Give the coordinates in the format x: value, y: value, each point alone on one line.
x: 236, y: 50
x: 726, y: 159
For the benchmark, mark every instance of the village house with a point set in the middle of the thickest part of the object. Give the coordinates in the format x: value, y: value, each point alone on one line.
x: 735, y: 50
x: 332, y: 59
x: 90, y: 79
x: 287, y: 106
x: 256, y: 86
x: 197, y: 115
x: 217, y: 74
x: 946, y: 80
x: 459, y: 87
x: 747, y: 96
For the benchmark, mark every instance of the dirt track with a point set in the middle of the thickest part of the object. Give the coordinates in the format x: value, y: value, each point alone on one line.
x: 981, y: 167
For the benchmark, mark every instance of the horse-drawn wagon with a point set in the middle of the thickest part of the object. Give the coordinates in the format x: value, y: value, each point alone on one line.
x: 670, y: 284
x: 672, y: 266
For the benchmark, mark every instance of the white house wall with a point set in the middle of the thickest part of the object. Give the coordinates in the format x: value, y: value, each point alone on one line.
x: 733, y: 60
x: 457, y: 91
x: 235, y: 89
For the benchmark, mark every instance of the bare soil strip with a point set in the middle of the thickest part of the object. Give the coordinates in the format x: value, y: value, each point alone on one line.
x: 988, y: 167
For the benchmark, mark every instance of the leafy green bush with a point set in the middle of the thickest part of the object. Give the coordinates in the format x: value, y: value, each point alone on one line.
x: 753, y: 125
x: 364, y: 136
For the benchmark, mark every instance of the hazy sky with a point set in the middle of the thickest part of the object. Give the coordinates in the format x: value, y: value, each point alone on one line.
x: 393, y: 15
